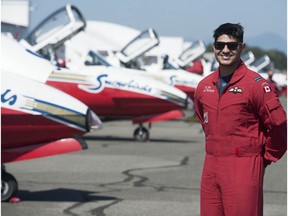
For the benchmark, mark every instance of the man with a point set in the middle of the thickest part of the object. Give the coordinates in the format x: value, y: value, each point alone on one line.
x: 245, y: 130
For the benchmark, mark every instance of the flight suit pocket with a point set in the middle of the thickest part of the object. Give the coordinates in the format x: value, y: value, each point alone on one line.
x: 275, y: 112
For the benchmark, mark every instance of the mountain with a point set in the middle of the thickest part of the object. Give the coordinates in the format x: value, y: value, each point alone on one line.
x: 268, y: 41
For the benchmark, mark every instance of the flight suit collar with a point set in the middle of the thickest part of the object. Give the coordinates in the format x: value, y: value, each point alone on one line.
x: 238, y: 74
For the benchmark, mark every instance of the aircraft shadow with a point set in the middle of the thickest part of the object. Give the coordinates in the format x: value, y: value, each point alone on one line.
x: 62, y: 195
x: 117, y: 139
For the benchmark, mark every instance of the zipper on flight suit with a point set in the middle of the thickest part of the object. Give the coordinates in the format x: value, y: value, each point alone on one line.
x: 217, y: 84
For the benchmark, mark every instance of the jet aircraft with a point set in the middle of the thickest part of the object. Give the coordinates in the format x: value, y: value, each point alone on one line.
x: 129, y: 57
x: 110, y: 94
x: 38, y: 120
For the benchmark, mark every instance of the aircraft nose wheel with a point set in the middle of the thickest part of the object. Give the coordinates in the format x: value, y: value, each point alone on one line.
x: 141, y: 134
x: 9, y: 186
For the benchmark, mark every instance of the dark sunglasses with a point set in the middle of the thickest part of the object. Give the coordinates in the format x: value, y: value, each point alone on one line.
x: 230, y: 45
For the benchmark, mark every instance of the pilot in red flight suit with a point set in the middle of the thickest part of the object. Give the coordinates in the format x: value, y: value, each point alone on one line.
x: 245, y: 130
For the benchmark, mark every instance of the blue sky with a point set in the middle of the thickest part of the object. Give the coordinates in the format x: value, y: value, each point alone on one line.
x: 195, y: 19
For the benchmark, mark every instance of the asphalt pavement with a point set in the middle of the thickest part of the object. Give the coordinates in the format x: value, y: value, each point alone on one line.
x: 117, y: 176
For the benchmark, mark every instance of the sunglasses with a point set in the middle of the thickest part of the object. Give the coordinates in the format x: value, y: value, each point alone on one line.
x: 230, y: 45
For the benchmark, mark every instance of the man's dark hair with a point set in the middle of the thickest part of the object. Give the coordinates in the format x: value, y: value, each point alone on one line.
x: 230, y: 29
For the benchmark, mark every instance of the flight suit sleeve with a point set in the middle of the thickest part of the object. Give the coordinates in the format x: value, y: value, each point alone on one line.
x: 273, y: 119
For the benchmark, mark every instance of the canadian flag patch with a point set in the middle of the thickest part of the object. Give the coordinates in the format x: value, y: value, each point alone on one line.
x: 267, y: 89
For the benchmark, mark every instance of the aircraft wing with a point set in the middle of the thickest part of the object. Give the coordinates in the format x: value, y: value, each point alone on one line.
x: 174, y: 114
x: 61, y: 146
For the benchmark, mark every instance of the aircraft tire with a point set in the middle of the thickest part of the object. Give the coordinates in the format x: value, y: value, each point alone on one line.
x: 141, y: 134
x: 9, y: 187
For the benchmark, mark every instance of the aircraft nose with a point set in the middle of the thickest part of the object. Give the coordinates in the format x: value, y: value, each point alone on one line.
x: 93, y: 121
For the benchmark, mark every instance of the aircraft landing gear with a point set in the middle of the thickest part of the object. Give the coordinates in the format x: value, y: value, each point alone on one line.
x: 9, y: 185
x: 141, y: 134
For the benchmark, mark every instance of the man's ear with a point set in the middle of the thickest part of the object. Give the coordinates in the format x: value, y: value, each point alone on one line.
x: 243, y: 46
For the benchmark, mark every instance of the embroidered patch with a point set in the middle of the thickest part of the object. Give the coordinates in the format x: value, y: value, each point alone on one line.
x: 205, y: 117
x: 267, y: 89
x: 208, y: 89
x: 257, y: 79
x: 235, y: 90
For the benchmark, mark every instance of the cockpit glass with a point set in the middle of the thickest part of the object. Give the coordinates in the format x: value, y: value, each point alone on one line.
x: 190, y: 51
x: 95, y: 59
x: 48, y: 27
x: 141, y: 41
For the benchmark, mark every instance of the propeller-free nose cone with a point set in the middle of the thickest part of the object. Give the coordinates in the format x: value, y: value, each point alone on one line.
x: 93, y: 121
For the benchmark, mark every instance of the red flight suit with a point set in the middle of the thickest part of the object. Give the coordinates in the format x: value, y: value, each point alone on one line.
x: 245, y: 130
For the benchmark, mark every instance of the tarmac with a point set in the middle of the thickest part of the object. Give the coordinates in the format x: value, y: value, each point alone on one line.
x: 117, y: 176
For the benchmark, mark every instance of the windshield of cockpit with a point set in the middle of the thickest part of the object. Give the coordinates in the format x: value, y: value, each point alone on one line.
x: 48, y: 27
x: 94, y: 59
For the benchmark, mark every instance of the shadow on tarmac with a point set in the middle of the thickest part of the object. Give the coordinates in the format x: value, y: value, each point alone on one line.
x: 62, y: 195
x: 117, y: 139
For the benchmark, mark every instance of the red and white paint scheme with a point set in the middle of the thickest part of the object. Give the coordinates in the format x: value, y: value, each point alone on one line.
x: 139, y: 54
x: 38, y: 120
x: 110, y: 94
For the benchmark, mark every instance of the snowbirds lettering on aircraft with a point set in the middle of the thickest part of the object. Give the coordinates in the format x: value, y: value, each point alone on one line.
x: 8, y: 97
x: 98, y: 39
x: 120, y: 96
x: 38, y: 120
x: 110, y: 94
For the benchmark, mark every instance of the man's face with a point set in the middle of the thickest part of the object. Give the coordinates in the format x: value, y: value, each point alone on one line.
x: 227, y: 50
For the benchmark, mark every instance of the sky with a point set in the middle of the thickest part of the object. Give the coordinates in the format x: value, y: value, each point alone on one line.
x: 193, y: 19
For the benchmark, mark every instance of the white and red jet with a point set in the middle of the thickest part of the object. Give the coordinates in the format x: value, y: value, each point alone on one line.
x: 110, y: 94
x: 38, y: 120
